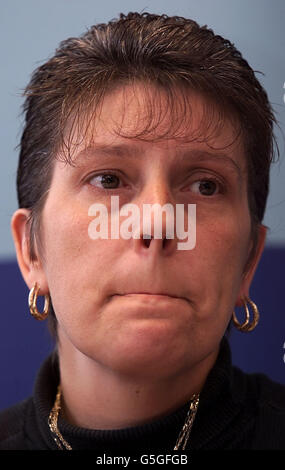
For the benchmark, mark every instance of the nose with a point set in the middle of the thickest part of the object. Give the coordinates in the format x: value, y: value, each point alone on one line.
x: 157, y: 221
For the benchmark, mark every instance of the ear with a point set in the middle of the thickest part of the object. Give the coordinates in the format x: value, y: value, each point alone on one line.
x: 245, y: 286
x: 32, y: 271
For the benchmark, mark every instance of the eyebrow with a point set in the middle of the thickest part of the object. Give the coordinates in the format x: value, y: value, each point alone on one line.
x: 222, y: 158
x: 135, y: 151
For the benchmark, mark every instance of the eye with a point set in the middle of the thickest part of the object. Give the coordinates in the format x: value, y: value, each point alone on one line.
x: 107, y: 180
x: 206, y: 187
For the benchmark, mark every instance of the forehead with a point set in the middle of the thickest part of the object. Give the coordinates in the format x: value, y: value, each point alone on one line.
x: 141, y: 113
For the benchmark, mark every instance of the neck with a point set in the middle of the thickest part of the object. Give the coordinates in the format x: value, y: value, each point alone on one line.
x: 95, y: 397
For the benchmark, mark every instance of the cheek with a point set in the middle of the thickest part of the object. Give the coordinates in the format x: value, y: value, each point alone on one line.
x: 224, y: 236
x: 65, y: 232
x: 217, y: 264
x: 78, y: 269
x: 67, y: 254
x: 221, y: 254
x: 75, y: 262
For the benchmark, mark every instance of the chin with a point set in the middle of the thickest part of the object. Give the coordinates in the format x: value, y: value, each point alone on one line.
x: 148, y: 355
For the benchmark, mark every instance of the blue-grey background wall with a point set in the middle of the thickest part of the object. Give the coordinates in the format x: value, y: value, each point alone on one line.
x: 30, y: 31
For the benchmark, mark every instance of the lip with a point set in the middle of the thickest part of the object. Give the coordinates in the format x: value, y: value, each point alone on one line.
x: 151, y: 295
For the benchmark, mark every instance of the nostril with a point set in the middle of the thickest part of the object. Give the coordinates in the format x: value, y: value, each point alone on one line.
x: 147, y: 238
x: 164, y: 242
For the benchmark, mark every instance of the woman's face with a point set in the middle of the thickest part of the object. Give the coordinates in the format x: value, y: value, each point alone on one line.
x: 90, y: 281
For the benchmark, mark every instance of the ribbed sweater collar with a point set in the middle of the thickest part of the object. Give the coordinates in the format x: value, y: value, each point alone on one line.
x: 220, y: 403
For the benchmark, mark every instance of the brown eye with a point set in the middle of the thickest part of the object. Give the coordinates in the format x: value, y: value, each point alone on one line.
x: 206, y: 187
x: 107, y: 180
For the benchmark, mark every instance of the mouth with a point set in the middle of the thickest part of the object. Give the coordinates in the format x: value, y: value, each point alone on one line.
x: 152, y: 294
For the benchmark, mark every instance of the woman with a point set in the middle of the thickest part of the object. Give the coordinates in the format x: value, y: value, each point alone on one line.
x: 153, y: 110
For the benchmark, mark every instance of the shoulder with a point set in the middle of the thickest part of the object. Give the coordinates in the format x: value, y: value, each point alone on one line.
x: 268, y: 393
x: 12, y: 426
x: 272, y: 394
x: 268, y: 398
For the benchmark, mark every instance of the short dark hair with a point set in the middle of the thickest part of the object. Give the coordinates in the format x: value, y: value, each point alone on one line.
x: 172, y: 53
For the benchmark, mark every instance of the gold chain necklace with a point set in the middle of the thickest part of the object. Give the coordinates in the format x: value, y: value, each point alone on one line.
x: 63, y: 444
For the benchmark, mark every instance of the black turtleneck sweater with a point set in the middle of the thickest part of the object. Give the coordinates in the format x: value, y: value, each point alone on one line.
x: 236, y: 411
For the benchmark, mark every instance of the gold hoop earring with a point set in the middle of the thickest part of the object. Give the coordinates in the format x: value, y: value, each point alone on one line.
x: 33, y: 297
x: 246, y: 325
